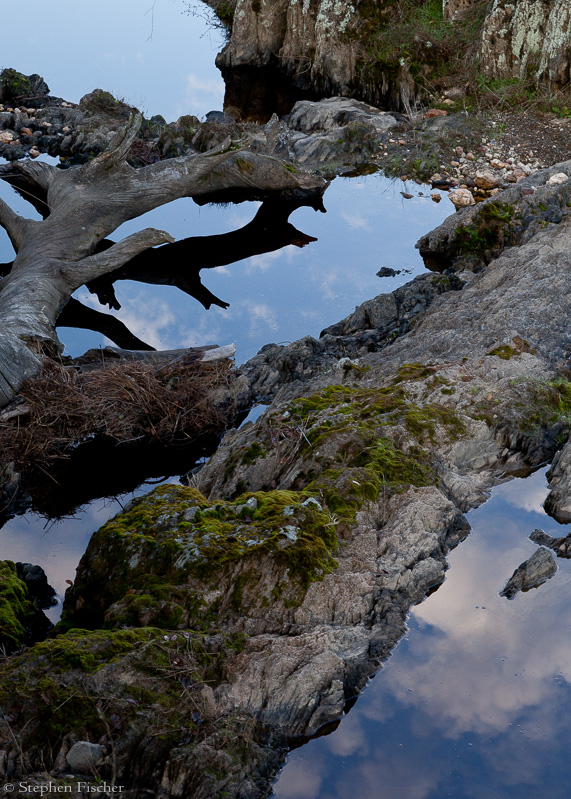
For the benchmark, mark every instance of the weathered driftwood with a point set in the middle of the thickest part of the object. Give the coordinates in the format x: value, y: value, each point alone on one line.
x: 56, y: 256
x: 96, y: 358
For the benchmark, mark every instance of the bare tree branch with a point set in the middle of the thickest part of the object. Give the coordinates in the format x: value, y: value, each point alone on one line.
x: 119, y: 146
x: 38, y: 172
x: 13, y: 224
x: 94, y: 265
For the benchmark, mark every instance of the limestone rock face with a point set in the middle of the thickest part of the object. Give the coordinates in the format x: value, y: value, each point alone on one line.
x: 302, y: 34
x: 528, y: 38
x: 308, y: 43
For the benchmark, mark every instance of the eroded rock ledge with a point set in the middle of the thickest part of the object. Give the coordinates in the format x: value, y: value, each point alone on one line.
x: 221, y: 619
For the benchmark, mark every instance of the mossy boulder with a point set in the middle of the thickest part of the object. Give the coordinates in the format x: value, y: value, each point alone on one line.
x: 146, y: 697
x: 14, y: 86
x: 101, y: 102
x: 174, y: 559
x: 20, y: 621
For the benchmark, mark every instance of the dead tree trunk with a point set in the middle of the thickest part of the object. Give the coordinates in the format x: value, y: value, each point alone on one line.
x: 54, y: 257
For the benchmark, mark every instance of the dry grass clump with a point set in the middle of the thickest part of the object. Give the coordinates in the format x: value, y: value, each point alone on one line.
x: 127, y: 402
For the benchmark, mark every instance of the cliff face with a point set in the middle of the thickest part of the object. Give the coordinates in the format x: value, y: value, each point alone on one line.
x: 327, y: 47
x: 528, y: 39
x: 317, y: 44
x: 302, y: 35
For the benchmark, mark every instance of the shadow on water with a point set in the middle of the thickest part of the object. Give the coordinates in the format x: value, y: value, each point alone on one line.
x: 475, y: 702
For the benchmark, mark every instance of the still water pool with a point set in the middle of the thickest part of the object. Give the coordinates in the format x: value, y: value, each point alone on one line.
x: 475, y: 701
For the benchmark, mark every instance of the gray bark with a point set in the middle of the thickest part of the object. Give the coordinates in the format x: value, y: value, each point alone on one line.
x: 86, y: 204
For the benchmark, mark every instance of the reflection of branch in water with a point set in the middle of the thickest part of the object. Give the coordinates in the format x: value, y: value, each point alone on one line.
x: 179, y: 264
x: 77, y: 315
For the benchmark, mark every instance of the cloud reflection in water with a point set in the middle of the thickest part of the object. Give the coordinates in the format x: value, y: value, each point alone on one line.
x: 475, y: 701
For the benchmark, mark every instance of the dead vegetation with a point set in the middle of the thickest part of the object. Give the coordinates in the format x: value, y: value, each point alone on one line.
x: 125, y: 402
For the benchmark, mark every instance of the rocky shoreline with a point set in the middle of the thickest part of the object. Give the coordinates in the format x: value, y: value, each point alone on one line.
x: 210, y: 624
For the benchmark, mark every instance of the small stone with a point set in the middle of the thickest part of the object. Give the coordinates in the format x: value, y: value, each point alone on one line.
x: 435, y: 197
x: 436, y: 177
x: 461, y: 198
x: 532, y: 572
x: 251, y: 504
x: 290, y: 532
x: 527, y: 191
x: 6, y: 137
x: 311, y: 502
x: 559, y: 177
x: 435, y: 112
x: 406, y: 195
x: 447, y: 101
x: 189, y: 513
x: 459, y: 151
x: 454, y: 93
x: 486, y: 179
x: 26, y: 132
x: 385, y: 271
x: 84, y: 757
x: 402, y: 142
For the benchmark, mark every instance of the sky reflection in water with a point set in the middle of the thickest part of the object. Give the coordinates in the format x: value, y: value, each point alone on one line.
x: 475, y: 701
x: 283, y: 295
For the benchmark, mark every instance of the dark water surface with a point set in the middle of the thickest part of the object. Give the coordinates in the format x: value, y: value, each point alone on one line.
x: 475, y: 701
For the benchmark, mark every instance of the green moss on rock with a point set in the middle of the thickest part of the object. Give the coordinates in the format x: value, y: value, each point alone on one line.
x: 16, y: 607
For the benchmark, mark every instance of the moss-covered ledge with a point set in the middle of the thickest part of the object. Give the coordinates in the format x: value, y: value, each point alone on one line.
x: 146, y: 697
x: 20, y: 620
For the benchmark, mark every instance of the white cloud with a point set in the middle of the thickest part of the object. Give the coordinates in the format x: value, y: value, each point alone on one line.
x: 150, y: 319
x: 355, y: 221
x: 264, y: 261
x: 203, y: 95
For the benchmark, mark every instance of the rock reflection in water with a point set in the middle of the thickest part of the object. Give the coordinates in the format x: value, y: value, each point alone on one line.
x: 476, y: 700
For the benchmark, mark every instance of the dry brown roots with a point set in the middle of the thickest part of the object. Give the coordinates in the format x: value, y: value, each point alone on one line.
x: 127, y: 402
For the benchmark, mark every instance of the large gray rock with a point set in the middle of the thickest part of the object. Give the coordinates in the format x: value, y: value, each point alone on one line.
x: 531, y: 573
x: 558, y: 502
x: 84, y: 757
x: 336, y: 112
